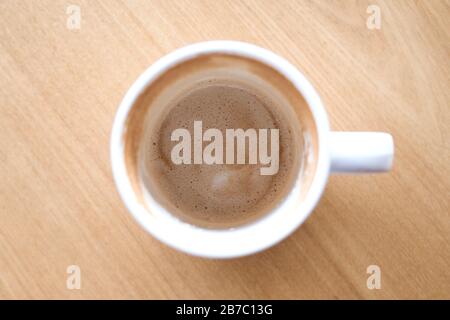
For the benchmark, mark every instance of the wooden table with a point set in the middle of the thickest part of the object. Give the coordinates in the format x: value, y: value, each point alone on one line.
x: 59, y: 90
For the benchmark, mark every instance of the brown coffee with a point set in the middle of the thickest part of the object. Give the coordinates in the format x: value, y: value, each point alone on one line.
x: 219, y: 195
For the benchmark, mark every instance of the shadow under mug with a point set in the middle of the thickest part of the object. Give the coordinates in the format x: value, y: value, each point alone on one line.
x: 325, y: 151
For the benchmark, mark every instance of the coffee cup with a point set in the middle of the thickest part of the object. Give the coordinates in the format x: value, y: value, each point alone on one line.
x: 221, y: 209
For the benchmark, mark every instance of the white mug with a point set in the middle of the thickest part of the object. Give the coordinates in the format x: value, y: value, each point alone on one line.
x: 332, y: 152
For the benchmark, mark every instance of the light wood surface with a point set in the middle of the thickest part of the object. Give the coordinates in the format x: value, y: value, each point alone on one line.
x: 59, y: 90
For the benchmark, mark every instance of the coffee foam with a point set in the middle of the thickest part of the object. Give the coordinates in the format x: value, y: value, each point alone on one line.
x: 219, y: 195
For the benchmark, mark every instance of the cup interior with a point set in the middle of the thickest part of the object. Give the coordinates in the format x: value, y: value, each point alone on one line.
x: 151, y: 107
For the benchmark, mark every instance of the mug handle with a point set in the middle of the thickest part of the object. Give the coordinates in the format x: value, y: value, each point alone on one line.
x: 361, y: 152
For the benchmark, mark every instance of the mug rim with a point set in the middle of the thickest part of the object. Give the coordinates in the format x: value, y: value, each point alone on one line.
x: 220, y: 243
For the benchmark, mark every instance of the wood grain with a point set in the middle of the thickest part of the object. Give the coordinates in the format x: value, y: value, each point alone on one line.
x: 59, y: 90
